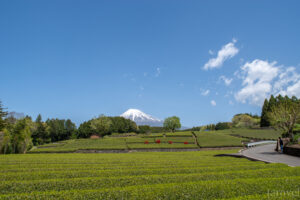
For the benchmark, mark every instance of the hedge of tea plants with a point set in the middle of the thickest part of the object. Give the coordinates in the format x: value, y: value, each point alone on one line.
x: 155, y: 141
x: 152, y: 175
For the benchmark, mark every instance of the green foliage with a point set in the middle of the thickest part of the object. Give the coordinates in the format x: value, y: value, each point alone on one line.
x: 181, y: 175
x: 296, y: 139
x: 2, y: 116
x: 284, y: 114
x: 144, y: 129
x: 60, y: 129
x: 105, y: 126
x: 223, y: 125
x: 265, y: 122
x: 122, y: 125
x: 21, y: 136
x: 5, y: 142
x: 157, y: 129
x: 41, y: 134
x: 172, y: 123
x: 85, y: 130
x: 245, y: 121
x: 102, y: 125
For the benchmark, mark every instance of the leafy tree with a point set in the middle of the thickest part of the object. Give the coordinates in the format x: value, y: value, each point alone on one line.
x: 210, y: 127
x: 120, y: 125
x: 85, y: 130
x: 272, y: 103
x: 41, y: 134
x: 132, y: 126
x: 172, y: 123
x: 39, y: 119
x: 264, y: 122
x: 223, y: 125
x: 144, y: 129
x: 70, y: 129
x: 61, y: 129
x: 21, y: 136
x: 56, y: 129
x: 102, y: 125
x: 245, y: 121
x: 285, y: 114
x: 5, y: 142
x: 2, y: 116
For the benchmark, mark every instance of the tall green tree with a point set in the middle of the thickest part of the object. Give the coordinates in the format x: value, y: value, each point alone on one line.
x: 272, y: 103
x: 102, y: 125
x: 172, y: 123
x: 21, y: 135
x: 285, y: 114
x: 56, y: 129
x: 41, y: 134
x: 70, y: 129
x: 264, y: 122
x: 85, y: 130
x: 5, y: 142
x: 3, y: 114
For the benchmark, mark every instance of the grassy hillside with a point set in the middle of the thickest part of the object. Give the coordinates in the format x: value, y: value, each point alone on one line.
x: 179, y: 175
x: 223, y: 138
x: 120, y: 143
x: 217, y: 139
x: 264, y: 134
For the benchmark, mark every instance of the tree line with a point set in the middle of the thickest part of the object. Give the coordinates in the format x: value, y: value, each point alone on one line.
x: 20, y: 135
x: 282, y: 113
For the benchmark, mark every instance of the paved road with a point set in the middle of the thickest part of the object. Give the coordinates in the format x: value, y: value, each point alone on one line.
x: 266, y: 153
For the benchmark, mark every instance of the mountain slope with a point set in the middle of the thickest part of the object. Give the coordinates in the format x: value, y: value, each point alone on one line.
x: 141, y: 118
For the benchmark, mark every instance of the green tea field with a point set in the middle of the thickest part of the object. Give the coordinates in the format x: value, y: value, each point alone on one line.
x: 159, y: 175
x: 177, y: 140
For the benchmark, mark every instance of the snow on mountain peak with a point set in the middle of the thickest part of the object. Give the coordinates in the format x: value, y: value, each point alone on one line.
x: 140, y: 117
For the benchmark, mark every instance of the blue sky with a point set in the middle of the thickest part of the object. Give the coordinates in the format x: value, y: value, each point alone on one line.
x: 203, y: 61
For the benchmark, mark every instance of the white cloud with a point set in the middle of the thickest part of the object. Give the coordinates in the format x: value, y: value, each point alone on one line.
x: 211, y: 52
x: 157, y: 72
x: 226, y: 52
x: 294, y: 90
x: 257, y: 81
x: 205, y: 93
x: 263, y: 78
x: 286, y: 78
x: 213, y: 103
x: 227, y: 81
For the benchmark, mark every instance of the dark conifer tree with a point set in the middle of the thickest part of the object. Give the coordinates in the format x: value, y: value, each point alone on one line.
x: 2, y: 116
x: 264, y: 122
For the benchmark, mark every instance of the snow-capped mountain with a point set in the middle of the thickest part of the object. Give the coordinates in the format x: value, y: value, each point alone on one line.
x: 141, y: 118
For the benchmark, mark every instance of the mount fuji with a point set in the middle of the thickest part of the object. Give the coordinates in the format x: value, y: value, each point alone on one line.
x: 141, y: 118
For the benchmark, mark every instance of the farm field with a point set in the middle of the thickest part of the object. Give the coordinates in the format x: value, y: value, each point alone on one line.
x: 217, y: 139
x: 264, y: 134
x: 178, y: 140
x: 152, y: 175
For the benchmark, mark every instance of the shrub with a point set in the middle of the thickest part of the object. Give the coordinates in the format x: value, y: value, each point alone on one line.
x: 157, y: 141
x: 146, y: 142
x: 170, y: 142
x: 185, y: 142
